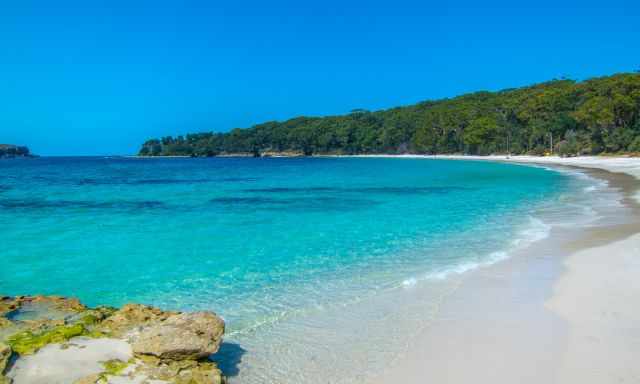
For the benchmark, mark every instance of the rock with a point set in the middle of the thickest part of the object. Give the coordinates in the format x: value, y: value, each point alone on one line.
x: 204, y: 373
x: 27, y: 342
x: 4, y: 322
x: 185, y: 336
x: 180, y: 371
x: 91, y: 379
x: 132, y: 316
x: 9, y: 304
x: 70, y: 304
x: 170, y: 347
x: 5, y: 355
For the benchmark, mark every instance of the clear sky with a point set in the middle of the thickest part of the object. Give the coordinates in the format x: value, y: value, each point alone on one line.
x: 101, y: 77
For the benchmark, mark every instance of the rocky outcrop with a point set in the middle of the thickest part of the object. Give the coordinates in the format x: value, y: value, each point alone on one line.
x: 9, y: 304
x: 164, y: 346
x: 185, y: 336
x: 131, y: 317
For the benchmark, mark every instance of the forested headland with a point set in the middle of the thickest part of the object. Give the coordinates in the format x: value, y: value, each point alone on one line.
x: 10, y: 150
x: 595, y: 116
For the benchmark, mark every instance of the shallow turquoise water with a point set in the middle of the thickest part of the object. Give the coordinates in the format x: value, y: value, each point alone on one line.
x: 255, y: 239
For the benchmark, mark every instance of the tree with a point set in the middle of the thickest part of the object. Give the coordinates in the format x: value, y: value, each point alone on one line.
x: 602, y: 114
x: 479, y: 134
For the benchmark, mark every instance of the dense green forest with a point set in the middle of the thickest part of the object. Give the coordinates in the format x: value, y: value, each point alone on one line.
x: 599, y: 115
x: 9, y: 150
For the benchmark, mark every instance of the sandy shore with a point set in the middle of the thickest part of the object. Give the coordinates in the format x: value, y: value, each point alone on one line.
x: 562, y: 312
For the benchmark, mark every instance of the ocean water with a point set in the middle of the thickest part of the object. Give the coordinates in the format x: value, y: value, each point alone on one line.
x: 303, y: 257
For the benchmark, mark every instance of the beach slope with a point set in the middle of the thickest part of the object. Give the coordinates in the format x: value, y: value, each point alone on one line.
x: 519, y: 322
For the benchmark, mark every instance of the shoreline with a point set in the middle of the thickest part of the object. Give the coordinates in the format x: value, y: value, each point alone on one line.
x: 59, y: 340
x: 519, y: 311
x: 492, y: 316
x: 560, y: 312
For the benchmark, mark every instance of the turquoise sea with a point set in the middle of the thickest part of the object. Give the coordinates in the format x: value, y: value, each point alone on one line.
x: 263, y: 242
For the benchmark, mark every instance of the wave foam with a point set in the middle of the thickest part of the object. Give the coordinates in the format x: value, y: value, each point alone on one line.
x: 409, y: 282
x: 536, y: 230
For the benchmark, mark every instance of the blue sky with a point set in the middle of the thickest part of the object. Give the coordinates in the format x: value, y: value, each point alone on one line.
x: 100, y: 77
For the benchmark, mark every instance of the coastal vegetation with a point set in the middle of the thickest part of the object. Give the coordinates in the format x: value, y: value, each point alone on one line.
x: 9, y: 150
x: 595, y: 116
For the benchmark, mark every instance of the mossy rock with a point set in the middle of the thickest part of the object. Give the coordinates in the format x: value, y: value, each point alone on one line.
x: 114, y: 367
x: 204, y: 373
x: 95, y: 316
x: 27, y: 342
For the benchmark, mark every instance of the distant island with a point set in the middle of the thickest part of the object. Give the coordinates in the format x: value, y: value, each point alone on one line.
x: 595, y: 116
x: 10, y: 150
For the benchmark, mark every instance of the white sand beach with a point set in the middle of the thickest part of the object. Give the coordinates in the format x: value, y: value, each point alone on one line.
x: 563, y: 312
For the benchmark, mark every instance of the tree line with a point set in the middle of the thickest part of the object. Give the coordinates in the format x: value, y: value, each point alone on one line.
x: 595, y: 116
x: 9, y: 150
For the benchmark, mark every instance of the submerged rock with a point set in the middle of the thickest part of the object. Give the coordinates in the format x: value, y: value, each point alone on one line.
x: 186, y: 336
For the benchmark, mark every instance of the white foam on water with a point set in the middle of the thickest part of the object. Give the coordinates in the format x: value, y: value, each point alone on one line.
x: 569, y: 210
x: 409, y: 282
x: 536, y: 230
x: 360, y: 333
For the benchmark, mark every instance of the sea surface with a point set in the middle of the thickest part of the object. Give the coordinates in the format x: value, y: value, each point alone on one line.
x: 311, y: 261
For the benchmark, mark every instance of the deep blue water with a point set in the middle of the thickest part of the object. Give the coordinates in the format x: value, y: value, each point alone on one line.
x: 254, y: 239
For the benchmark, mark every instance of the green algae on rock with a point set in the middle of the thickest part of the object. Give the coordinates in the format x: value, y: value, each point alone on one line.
x: 114, y: 367
x: 26, y: 342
